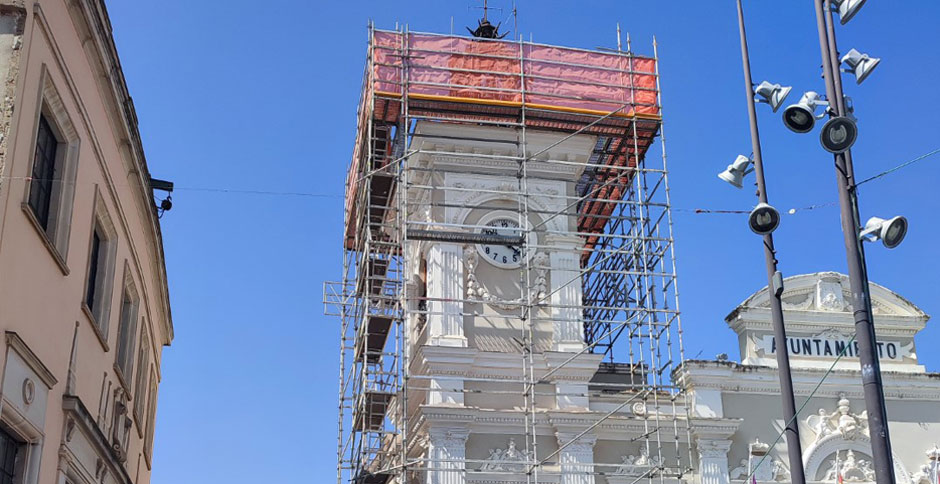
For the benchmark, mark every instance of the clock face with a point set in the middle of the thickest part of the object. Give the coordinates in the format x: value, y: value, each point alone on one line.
x: 506, y: 256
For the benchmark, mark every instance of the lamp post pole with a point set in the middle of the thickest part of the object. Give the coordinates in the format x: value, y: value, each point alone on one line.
x: 774, y: 279
x: 855, y: 255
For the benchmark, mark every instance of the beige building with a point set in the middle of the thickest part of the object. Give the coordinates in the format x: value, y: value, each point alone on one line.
x: 84, y: 306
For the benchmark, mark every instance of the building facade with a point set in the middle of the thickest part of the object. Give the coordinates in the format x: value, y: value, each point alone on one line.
x: 84, y: 305
x: 740, y: 400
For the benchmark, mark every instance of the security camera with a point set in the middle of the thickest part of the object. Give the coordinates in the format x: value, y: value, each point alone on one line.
x: 764, y: 219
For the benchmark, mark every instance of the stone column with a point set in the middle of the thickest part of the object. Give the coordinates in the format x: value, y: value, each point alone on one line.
x: 445, y: 295
x: 577, y: 459
x: 713, y: 460
x: 566, y: 292
x: 447, y: 449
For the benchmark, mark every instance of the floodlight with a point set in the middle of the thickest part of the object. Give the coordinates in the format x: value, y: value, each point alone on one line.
x: 801, y: 117
x: 847, y: 9
x: 838, y: 134
x: 735, y: 172
x: 773, y: 94
x: 891, y: 232
x: 859, y: 64
x: 764, y: 219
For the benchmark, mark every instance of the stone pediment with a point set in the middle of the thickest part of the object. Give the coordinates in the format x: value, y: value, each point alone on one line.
x: 830, y: 292
x: 820, y: 324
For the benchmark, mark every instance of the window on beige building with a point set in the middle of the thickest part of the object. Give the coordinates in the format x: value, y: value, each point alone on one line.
x: 151, y: 416
x: 100, y: 276
x: 11, y: 453
x: 140, y: 386
x: 44, y: 172
x: 53, y: 169
x: 127, y: 329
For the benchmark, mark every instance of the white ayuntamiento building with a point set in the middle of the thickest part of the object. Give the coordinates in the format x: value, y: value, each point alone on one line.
x: 740, y: 405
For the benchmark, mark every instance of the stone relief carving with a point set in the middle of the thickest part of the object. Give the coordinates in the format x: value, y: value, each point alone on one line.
x: 540, y: 292
x: 638, y: 465
x: 476, y: 291
x: 849, y: 425
x: 928, y: 471
x: 849, y: 468
x: 793, y: 303
x: 510, y: 459
x: 829, y: 296
x: 778, y: 471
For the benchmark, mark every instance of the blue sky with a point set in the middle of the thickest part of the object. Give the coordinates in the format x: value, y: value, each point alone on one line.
x: 239, y: 95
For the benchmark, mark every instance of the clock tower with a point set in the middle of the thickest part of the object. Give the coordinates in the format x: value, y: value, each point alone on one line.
x: 508, y: 305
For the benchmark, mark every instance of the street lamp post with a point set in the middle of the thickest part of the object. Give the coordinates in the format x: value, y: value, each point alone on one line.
x: 774, y: 279
x: 855, y: 254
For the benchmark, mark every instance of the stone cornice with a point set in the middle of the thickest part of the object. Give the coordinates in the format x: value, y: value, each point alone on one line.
x: 738, y: 378
x: 555, y: 422
x: 472, y: 363
x: 14, y: 341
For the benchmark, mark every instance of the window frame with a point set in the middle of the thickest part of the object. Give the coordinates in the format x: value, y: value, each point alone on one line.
x: 141, y: 386
x: 56, y: 230
x: 99, y: 312
x: 127, y: 331
x: 151, y: 418
x: 21, y: 449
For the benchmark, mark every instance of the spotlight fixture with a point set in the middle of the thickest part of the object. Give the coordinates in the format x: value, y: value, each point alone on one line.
x: 735, y: 172
x: 847, y: 9
x: 801, y: 117
x: 772, y: 94
x: 859, y: 64
x: 838, y: 134
x: 764, y: 219
x: 891, y: 232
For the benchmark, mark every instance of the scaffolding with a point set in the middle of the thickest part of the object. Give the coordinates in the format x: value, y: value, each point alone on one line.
x: 628, y: 312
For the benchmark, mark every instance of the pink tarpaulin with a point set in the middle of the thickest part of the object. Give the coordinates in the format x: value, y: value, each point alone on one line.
x: 475, y: 69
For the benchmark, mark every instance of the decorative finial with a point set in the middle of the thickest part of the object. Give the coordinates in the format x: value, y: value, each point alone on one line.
x: 486, y: 30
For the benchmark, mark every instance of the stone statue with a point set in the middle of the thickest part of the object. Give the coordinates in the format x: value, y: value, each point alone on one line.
x: 922, y: 476
x: 820, y: 424
x: 739, y: 472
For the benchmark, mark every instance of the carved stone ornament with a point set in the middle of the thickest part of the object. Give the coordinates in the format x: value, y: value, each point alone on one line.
x: 829, y: 296
x: 775, y: 471
x: 476, y: 291
x: 639, y: 465
x: 925, y: 474
x: 638, y: 409
x: 510, y: 459
x: 849, y: 425
x: 29, y: 391
x: 797, y: 303
x: 540, y: 292
x: 849, y: 468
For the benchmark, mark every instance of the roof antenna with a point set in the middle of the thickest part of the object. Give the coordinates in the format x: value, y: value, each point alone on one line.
x: 486, y: 30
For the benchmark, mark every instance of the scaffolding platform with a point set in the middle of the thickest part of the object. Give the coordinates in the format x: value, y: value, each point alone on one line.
x: 474, y: 102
